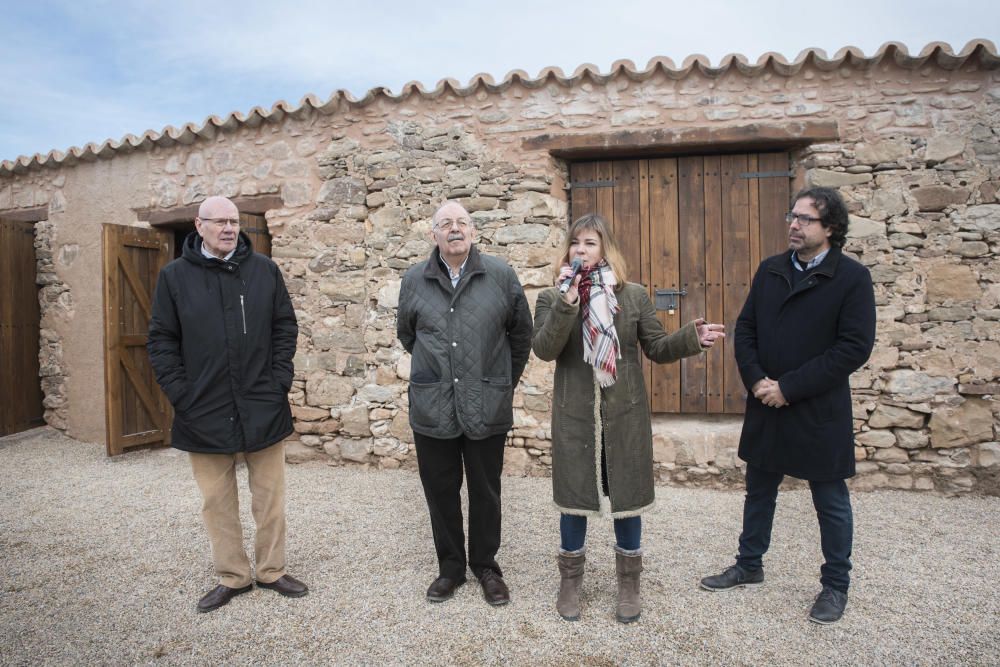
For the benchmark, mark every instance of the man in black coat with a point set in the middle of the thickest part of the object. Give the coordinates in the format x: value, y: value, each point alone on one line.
x: 808, y: 323
x: 221, y: 341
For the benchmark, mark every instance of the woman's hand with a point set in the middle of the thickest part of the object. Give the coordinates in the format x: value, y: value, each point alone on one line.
x: 572, y: 295
x: 709, y: 333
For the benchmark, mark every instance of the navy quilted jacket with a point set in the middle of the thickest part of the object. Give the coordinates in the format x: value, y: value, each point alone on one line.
x: 469, y: 345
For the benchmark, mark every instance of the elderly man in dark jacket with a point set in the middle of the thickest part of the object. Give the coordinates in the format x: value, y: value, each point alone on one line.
x: 808, y: 323
x: 464, y: 319
x: 221, y: 341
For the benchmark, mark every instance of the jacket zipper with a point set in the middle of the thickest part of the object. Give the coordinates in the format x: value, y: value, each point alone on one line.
x: 244, y: 313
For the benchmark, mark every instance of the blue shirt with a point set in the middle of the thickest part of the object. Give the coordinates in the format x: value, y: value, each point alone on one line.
x: 812, y: 263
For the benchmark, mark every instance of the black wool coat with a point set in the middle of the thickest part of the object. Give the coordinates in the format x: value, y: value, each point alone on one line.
x: 810, y: 338
x: 221, y: 341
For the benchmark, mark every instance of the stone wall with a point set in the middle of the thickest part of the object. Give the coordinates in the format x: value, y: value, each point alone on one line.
x: 56, y: 312
x: 917, y: 157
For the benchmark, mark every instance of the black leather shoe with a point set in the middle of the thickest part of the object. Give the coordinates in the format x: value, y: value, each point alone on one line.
x: 443, y: 589
x: 219, y: 596
x: 733, y: 577
x: 494, y: 589
x: 829, y: 606
x: 287, y: 585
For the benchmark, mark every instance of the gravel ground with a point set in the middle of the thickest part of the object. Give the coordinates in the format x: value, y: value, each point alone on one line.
x: 102, y: 562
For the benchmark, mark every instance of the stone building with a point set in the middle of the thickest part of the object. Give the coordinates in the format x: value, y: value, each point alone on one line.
x: 694, y: 164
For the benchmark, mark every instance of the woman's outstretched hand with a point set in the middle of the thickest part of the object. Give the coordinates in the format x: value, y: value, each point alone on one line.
x: 709, y: 333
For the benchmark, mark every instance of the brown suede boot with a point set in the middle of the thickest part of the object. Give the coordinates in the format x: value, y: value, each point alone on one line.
x: 628, y: 566
x: 571, y: 577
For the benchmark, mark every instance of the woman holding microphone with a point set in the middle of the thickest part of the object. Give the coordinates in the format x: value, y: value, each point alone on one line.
x: 592, y: 324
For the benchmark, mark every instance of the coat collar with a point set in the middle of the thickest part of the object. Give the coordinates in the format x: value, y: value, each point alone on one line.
x: 434, y: 271
x: 782, y: 264
x: 192, y: 252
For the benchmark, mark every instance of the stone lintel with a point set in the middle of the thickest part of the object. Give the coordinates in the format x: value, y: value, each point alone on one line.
x: 33, y: 214
x: 672, y: 141
x: 256, y: 205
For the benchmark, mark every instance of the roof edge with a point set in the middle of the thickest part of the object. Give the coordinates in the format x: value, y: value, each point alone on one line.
x: 938, y: 53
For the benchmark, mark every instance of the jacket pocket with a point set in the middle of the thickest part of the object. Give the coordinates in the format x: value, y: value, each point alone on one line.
x: 425, y: 403
x: 497, y: 401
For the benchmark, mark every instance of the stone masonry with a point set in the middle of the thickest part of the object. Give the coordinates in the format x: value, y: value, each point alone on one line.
x: 917, y: 156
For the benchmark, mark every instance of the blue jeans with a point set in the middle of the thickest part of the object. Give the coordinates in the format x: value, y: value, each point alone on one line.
x: 836, y: 524
x: 573, y: 532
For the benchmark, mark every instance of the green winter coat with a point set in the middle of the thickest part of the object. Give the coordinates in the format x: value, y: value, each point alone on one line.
x: 581, y: 410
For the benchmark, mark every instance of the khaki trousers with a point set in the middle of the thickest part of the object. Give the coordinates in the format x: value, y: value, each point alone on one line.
x: 216, y: 478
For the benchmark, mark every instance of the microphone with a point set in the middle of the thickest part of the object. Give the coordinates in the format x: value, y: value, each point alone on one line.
x: 567, y: 282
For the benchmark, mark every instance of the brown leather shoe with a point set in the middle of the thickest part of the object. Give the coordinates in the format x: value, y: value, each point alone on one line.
x: 494, y: 589
x: 219, y: 596
x: 287, y: 585
x: 443, y: 588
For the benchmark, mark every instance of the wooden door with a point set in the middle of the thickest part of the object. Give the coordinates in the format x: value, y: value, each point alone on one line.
x: 137, y: 412
x: 698, y: 225
x: 255, y: 226
x: 20, y: 386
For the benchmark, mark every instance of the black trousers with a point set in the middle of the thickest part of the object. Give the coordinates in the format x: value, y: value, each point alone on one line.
x: 441, y: 464
x: 832, y: 502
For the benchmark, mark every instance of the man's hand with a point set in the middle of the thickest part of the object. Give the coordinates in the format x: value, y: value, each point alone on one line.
x: 768, y: 392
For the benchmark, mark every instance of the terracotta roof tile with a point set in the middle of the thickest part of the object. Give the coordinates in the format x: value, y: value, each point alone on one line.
x: 936, y: 53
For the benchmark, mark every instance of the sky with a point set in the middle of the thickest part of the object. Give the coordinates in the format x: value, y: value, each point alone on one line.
x: 74, y: 72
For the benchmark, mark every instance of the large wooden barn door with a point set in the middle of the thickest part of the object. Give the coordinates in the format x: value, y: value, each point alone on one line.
x: 20, y: 387
x: 137, y: 411
x: 698, y: 225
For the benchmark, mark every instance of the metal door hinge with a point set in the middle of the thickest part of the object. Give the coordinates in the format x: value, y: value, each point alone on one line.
x: 767, y: 174
x: 590, y: 184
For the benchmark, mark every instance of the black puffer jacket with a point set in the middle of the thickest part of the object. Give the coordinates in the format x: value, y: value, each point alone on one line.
x: 221, y: 341
x: 469, y: 346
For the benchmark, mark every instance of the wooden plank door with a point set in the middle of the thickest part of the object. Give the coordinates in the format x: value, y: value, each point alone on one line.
x: 697, y: 224
x: 255, y: 226
x: 137, y: 412
x: 20, y: 387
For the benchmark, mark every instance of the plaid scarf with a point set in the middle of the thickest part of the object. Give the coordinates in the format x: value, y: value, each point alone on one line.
x: 599, y: 305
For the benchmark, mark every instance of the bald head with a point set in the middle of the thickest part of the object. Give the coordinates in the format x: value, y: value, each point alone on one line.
x: 218, y: 207
x: 218, y: 224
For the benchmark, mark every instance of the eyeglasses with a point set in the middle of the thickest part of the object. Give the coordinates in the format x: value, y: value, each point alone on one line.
x: 220, y: 223
x: 449, y: 224
x: 804, y: 220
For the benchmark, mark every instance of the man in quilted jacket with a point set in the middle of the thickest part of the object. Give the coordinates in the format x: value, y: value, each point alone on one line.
x: 464, y: 319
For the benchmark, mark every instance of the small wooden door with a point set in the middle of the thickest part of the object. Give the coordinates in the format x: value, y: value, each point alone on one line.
x: 255, y: 226
x: 137, y: 412
x: 700, y: 225
x: 20, y: 386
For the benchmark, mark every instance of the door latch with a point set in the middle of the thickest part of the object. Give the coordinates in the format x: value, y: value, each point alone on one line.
x: 666, y: 299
